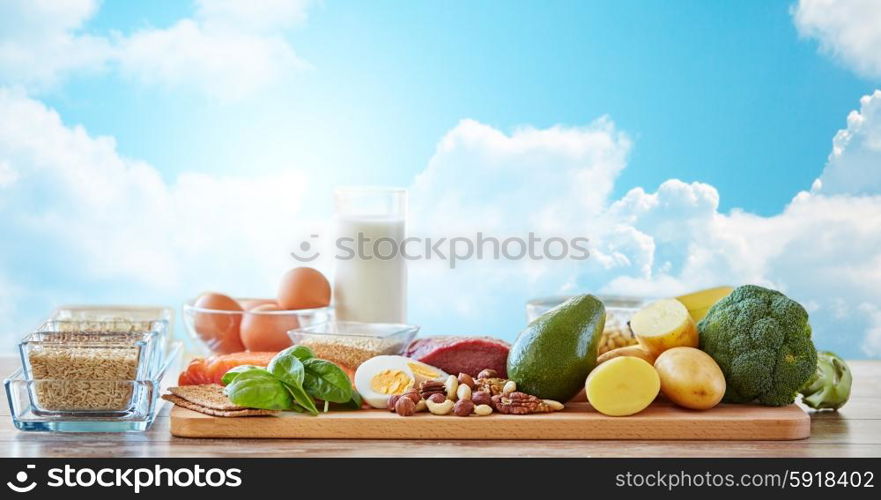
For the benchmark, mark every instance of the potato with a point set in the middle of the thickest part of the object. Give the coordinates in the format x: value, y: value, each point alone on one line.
x: 636, y: 351
x: 622, y: 386
x: 663, y: 325
x: 690, y: 378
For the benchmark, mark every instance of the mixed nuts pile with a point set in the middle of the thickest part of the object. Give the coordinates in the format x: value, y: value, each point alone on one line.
x: 463, y: 396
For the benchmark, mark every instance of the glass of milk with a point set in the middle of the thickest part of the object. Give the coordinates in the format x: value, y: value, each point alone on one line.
x: 370, y: 273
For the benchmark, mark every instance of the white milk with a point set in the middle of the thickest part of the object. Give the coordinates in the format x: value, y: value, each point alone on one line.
x: 374, y: 288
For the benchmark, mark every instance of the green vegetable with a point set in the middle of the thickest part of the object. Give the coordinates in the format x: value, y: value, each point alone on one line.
x: 293, y: 381
x: 829, y: 388
x: 300, y: 351
x: 230, y: 375
x: 288, y: 368
x: 302, y: 398
x: 327, y: 381
x: 761, y: 340
x: 257, y: 388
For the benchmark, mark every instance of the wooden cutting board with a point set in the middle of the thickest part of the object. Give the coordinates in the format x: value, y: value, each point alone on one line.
x: 578, y: 421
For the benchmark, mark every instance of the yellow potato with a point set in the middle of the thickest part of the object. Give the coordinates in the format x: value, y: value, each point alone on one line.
x: 622, y: 386
x: 636, y: 351
x: 663, y: 325
x: 698, y: 303
x: 690, y: 378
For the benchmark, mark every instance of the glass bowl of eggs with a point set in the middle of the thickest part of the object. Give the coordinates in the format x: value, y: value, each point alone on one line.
x: 223, y: 324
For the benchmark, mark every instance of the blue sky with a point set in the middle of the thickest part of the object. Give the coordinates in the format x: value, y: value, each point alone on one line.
x: 721, y: 92
x: 738, y: 100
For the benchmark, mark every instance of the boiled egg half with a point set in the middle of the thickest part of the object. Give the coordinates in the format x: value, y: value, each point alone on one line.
x: 382, y: 376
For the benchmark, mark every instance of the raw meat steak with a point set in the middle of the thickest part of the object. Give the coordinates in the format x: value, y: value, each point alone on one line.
x: 461, y: 354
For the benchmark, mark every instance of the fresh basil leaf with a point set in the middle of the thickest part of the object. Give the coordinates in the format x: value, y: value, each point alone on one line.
x: 286, y: 367
x: 257, y: 388
x: 302, y: 398
x: 301, y: 352
x: 327, y: 381
x: 234, y: 372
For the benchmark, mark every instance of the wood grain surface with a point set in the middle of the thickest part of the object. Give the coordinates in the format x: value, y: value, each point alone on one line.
x: 576, y: 421
x: 853, y: 432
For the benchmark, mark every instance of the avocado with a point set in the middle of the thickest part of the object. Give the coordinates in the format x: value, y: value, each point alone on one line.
x: 553, y: 355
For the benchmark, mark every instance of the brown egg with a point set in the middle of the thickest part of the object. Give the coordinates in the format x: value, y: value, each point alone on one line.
x: 303, y: 288
x: 248, y: 304
x: 267, y: 332
x: 219, y: 330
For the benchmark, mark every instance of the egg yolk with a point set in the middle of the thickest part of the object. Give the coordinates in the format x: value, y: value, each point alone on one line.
x: 391, y: 382
x: 423, y: 371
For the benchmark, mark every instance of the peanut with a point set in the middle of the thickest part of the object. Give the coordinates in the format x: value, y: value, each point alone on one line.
x: 463, y: 393
x: 554, y: 405
x: 451, y: 386
x: 509, y: 387
x: 483, y: 410
x: 420, y: 406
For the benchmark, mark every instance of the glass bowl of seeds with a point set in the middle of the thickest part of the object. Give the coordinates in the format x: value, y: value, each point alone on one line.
x: 350, y: 343
x: 619, y: 310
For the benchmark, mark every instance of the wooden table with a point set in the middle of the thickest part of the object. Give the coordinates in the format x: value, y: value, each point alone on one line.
x: 853, y: 432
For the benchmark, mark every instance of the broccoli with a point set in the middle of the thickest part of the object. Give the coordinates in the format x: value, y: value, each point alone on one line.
x: 761, y: 340
x: 829, y: 388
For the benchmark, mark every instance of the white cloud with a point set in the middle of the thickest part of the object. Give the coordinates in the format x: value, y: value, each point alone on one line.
x: 853, y: 166
x: 41, y: 41
x: 228, y: 48
x: 824, y: 248
x: 78, y: 212
x: 846, y: 29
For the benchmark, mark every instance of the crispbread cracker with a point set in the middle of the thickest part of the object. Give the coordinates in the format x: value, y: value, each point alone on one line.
x: 247, y: 412
x: 207, y: 395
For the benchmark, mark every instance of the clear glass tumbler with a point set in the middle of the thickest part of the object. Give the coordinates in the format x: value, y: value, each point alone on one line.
x: 370, y: 272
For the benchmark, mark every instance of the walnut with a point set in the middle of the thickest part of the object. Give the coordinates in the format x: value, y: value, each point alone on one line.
x: 519, y: 403
x: 429, y: 387
x: 492, y: 385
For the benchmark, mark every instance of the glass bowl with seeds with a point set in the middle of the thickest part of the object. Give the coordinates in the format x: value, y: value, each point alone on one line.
x: 89, y: 405
x: 619, y: 310
x: 87, y: 366
x: 152, y: 333
x: 350, y: 343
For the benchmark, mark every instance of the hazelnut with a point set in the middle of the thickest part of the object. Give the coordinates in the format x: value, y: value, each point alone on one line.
x: 437, y: 397
x: 465, y: 379
x: 482, y: 398
x: 463, y: 408
x: 413, y: 394
x: 405, y: 407
x: 392, y: 400
x: 488, y: 373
